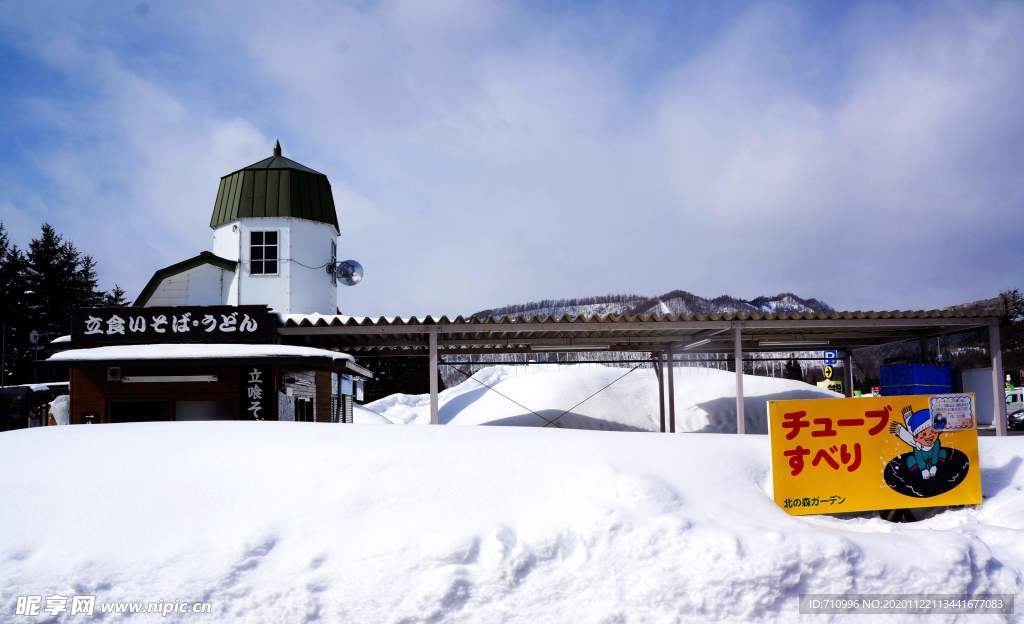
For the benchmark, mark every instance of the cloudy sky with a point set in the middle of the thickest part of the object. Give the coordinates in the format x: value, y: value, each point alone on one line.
x: 871, y: 155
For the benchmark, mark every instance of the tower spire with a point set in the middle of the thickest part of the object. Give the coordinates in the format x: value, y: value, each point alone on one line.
x: 277, y: 148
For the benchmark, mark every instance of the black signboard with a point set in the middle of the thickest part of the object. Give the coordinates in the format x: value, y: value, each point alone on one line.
x: 116, y: 326
x: 257, y: 394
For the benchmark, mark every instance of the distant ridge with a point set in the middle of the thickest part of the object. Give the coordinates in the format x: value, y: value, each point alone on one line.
x: 673, y: 302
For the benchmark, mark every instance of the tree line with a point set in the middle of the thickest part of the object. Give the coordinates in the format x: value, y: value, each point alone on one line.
x: 40, y: 287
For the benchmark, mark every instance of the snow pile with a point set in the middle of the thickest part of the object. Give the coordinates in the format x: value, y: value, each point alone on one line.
x: 60, y: 407
x: 705, y: 399
x: 285, y: 522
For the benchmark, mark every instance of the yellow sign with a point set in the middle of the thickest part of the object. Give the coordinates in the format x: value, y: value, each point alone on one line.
x: 862, y: 454
x: 828, y: 372
x: 831, y: 384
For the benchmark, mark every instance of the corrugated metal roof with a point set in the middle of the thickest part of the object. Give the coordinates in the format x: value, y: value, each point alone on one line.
x: 274, y: 187
x: 646, y: 332
x: 295, y: 320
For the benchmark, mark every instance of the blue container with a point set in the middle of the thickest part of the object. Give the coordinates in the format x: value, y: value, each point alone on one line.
x: 901, y: 379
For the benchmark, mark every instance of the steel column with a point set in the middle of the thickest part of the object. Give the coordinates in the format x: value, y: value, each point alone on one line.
x: 741, y: 423
x: 660, y: 374
x: 433, y: 376
x: 998, y: 391
x: 671, y: 373
x: 848, y: 374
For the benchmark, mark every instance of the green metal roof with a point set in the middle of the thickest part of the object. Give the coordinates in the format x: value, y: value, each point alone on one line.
x: 274, y: 187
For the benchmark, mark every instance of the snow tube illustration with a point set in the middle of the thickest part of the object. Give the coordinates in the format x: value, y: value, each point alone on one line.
x: 909, y: 482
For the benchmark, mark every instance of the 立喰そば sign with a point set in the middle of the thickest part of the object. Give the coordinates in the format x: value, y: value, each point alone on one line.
x: 132, y: 325
x: 863, y: 454
x: 257, y: 393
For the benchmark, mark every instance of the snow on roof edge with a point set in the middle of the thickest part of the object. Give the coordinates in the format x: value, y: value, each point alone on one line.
x: 194, y: 351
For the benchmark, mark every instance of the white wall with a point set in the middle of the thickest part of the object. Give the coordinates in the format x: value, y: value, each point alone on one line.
x: 979, y: 381
x: 302, y: 285
x: 203, y: 285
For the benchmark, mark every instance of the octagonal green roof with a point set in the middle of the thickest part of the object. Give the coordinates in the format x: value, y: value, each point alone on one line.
x: 274, y: 187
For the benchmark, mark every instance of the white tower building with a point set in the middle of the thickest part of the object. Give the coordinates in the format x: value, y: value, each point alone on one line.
x: 275, y: 231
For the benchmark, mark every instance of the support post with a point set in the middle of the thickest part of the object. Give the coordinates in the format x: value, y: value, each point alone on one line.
x: 998, y: 393
x: 657, y: 359
x: 433, y: 376
x: 848, y: 373
x: 741, y: 423
x: 671, y: 374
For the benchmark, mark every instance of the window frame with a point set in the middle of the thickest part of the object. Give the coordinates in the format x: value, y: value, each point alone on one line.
x: 264, y: 246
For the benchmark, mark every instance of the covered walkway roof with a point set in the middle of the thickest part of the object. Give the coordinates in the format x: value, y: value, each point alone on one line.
x: 376, y: 336
x: 660, y: 335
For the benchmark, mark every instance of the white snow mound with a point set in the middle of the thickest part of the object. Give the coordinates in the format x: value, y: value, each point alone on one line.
x: 292, y: 522
x: 557, y: 395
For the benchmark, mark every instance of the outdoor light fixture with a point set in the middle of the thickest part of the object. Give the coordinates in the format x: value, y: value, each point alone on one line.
x: 791, y: 343
x: 694, y: 345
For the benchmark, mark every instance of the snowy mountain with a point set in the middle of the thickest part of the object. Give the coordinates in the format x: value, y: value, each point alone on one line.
x: 673, y: 302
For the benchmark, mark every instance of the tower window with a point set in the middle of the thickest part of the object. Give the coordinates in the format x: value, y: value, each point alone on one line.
x: 263, y: 252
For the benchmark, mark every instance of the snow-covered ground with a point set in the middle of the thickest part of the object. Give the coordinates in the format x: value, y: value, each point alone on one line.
x: 705, y: 399
x: 292, y: 522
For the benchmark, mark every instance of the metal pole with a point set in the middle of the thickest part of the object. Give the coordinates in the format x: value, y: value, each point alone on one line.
x: 998, y: 393
x: 671, y: 373
x: 741, y: 423
x: 661, y: 387
x: 433, y: 376
x: 848, y: 374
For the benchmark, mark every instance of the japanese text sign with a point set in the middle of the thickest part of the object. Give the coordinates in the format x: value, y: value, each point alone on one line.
x: 862, y: 454
x: 257, y: 393
x: 130, y: 325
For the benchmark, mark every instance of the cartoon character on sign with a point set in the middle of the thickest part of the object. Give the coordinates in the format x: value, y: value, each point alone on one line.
x: 922, y: 434
x: 929, y: 469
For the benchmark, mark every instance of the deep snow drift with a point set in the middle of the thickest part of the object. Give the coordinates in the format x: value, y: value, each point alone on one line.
x: 286, y: 522
x: 705, y: 399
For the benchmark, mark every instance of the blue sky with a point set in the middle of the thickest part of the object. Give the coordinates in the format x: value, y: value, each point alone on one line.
x: 868, y: 154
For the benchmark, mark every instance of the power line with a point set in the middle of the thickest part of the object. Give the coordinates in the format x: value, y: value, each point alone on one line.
x: 594, y: 394
x: 499, y: 393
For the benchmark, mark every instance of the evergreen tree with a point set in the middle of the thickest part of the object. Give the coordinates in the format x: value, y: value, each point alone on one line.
x: 57, y: 282
x: 40, y: 290
x: 115, y: 297
x: 1012, y: 334
x: 13, y: 315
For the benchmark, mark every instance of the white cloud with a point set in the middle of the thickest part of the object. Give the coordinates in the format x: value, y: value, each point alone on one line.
x: 484, y: 153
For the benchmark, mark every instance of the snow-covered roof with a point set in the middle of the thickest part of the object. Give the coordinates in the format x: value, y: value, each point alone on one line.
x: 61, y: 339
x: 39, y: 387
x: 195, y: 352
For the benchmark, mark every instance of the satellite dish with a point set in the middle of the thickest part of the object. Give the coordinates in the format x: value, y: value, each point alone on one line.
x: 349, y: 272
